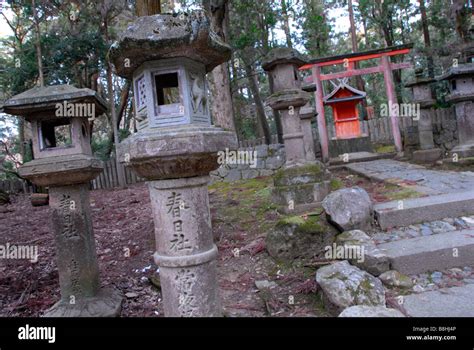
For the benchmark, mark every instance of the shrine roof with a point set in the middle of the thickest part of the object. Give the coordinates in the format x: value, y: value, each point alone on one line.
x: 357, y: 94
x: 360, y: 56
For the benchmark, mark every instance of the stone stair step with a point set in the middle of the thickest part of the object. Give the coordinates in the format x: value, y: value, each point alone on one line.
x: 431, y: 253
x: 446, y: 302
x: 419, y: 210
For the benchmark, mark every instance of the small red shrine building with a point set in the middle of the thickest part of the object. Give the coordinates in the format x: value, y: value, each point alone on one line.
x: 343, y: 101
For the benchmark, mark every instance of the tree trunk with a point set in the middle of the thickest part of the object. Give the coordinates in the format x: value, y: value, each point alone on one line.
x: 38, y: 44
x: 113, y: 114
x: 426, y: 36
x: 276, y: 114
x: 355, y: 48
x: 260, y: 109
x: 286, y: 24
x: 219, y: 84
x: 147, y: 7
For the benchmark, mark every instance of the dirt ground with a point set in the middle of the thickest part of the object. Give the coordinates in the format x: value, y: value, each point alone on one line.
x: 242, y: 214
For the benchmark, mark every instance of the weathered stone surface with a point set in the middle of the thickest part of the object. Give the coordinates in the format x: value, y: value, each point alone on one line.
x: 185, y: 251
x: 349, y: 208
x: 447, y: 302
x: 175, y: 152
x: 370, y: 311
x: 424, y: 209
x: 288, y: 98
x: 62, y: 170
x: 344, y: 285
x: 299, y: 238
x: 373, y: 260
x: 427, y: 155
x: 106, y: 303
x: 168, y: 36
x: 431, y: 253
x: 313, y: 172
x: 75, y: 243
x: 282, y: 55
x: 43, y: 98
x: 394, y: 278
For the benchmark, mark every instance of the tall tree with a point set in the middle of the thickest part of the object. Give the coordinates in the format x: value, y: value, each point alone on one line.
x: 147, y: 7
x: 222, y: 108
x: 427, y: 38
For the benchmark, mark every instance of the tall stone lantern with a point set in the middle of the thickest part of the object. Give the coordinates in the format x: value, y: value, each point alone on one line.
x: 59, y: 116
x: 461, y: 87
x: 167, y: 56
x: 422, y: 96
x: 303, y: 182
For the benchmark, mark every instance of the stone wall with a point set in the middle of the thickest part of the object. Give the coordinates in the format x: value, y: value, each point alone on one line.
x: 445, y: 133
x: 270, y: 158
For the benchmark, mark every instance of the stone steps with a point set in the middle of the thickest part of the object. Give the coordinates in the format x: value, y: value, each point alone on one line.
x: 418, y: 210
x: 431, y: 253
x: 446, y: 302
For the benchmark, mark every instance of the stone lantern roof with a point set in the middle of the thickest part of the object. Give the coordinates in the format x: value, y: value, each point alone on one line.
x: 420, y: 79
x: 282, y: 55
x: 164, y: 36
x: 466, y: 69
x: 45, y: 98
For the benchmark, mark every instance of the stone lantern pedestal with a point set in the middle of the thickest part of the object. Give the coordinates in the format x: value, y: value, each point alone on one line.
x: 176, y: 148
x: 301, y: 184
x: 64, y: 163
x: 422, y: 96
x: 461, y: 86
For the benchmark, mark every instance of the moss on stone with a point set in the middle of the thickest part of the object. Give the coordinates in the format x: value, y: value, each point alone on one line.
x: 314, y: 169
x: 311, y: 224
x: 336, y: 184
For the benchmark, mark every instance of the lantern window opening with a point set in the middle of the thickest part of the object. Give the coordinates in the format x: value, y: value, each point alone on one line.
x: 55, y: 134
x: 453, y: 84
x: 167, y: 88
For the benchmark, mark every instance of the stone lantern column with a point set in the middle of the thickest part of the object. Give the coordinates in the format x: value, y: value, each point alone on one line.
x: 422, y: 97
x: 282, y: 64
x: 302, y: 184
x: 461, y: 86
x: 67, y: 167
x: 307, y: 113
x: 175, y: 149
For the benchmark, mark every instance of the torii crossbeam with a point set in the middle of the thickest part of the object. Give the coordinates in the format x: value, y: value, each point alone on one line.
x: 385, y: 66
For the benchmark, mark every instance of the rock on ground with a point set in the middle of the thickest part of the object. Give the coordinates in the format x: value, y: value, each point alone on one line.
x: 344, y: 285
x: 349, y: 208
x: 370, y: 259
x: 370, y: 311
x: 300, y: 237
x: 394, y: 278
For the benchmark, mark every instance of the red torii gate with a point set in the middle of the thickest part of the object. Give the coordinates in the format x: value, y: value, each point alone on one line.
x: 348, y: 61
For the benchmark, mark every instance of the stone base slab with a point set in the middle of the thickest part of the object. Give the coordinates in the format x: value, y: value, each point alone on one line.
x: 431, y: 253
x: 107, y: 303
x: 424, y: 209
x: 427, y: 155
x: 463, y: 151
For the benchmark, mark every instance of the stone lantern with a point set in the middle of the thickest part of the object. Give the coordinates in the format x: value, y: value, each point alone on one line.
x: 59, y: 116
x: 302, y: 183
x: 175, y: 149
x: 461, y: 87
x: 307, y: 114
x: 422, y: 96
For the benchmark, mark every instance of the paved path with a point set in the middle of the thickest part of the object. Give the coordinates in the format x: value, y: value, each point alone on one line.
x: 423, y: 180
